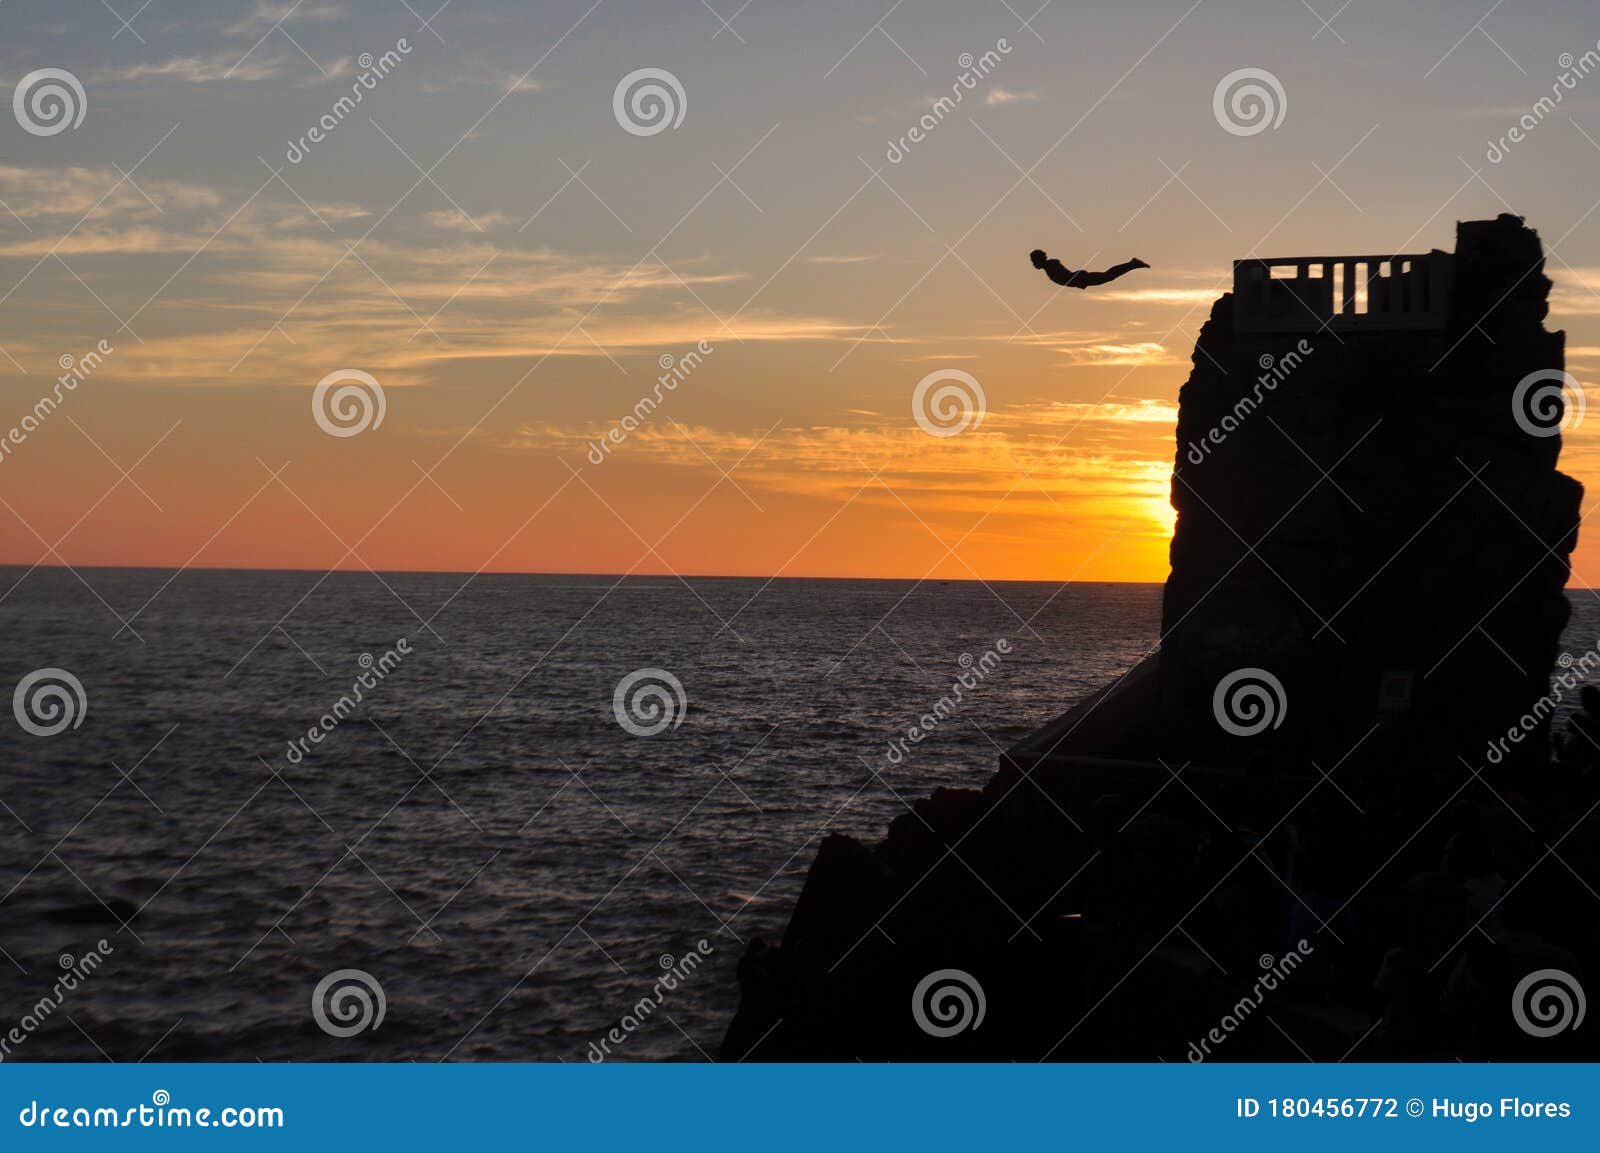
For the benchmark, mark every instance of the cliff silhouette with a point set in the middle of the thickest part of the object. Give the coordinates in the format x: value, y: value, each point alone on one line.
x: 1329, y: 818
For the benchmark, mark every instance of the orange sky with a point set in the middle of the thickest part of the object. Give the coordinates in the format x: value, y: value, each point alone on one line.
x: 511, y: 265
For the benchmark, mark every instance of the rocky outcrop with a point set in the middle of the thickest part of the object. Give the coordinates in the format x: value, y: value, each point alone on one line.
x: 1375, y: 518
x: 1346, y: 870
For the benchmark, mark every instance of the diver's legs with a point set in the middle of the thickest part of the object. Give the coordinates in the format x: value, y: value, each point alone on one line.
x: 1117, y: 270
x: 1088, y: 279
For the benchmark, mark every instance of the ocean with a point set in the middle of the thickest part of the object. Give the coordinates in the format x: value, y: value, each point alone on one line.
x: 513, y: 858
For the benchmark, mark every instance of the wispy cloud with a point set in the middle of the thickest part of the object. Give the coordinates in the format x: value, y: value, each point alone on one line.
x: 1104, y: 355
x: 1188, y: 296
x: 50, y: 193
x: 277, y: 306
x: 999, y: 95
x: 971, y: 473
x: 211, y: 69
x: 264, y: 14
x: 452, y: 221
x: 1107, y: 348
x: 1575, y: 291
x: 478, y: 73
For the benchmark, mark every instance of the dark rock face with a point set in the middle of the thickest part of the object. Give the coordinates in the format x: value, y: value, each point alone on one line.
x: 1379, y: 533
x: 1379, y: 513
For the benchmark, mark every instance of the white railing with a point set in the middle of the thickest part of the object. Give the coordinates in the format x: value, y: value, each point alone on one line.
x: 1311, y: 293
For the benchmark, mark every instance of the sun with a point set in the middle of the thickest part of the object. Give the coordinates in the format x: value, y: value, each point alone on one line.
x: 1159, y: 512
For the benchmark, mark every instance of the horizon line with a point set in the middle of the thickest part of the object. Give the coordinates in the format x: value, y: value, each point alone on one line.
x: 28, y: 568
x: 5, y: 565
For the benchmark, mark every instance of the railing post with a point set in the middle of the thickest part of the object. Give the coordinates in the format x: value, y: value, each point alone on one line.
x: 1351, y: 291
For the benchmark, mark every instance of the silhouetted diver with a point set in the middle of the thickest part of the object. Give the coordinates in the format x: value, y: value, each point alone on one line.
x: 1069, y: 278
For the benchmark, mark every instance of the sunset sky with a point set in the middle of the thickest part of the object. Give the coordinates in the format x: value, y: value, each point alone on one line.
x: 484, y: 238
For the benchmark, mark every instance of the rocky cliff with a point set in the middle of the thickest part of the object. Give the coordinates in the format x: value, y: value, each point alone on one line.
x: 1328, y: 860
x: 1375, y: 518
